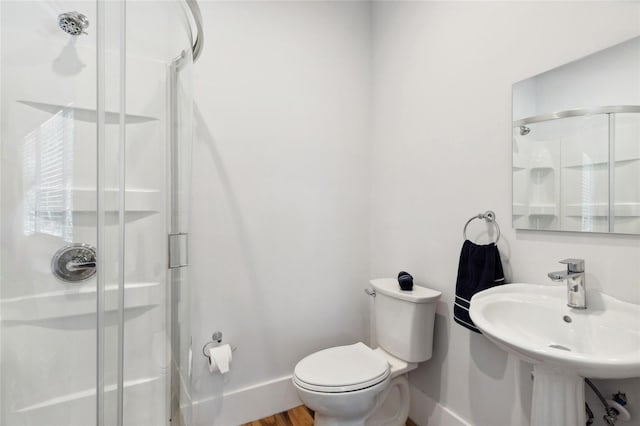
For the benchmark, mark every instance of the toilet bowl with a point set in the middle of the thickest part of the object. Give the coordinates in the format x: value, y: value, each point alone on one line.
x: 350, y: 385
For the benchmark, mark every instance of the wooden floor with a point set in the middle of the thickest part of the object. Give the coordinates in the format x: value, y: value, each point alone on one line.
x: 298, y: 416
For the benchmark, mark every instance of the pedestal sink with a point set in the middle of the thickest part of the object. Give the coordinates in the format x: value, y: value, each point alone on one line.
x: 563, y: 344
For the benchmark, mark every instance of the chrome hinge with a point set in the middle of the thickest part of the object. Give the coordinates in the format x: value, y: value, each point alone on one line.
x: 178, y: 250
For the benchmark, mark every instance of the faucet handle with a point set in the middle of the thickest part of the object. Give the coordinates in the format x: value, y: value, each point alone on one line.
x: 574, y: 265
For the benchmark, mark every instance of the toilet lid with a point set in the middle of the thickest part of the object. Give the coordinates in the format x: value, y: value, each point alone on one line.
x: 341, y: 369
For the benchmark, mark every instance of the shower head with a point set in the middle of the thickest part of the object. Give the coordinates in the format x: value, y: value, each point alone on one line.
x: 73, y: 23
x: 524, y: 130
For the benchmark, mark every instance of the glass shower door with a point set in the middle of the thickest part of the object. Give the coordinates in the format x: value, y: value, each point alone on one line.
x: 179, y: 306
x: 55, y: 122
x: 157, y: 338
x: 94, y: 178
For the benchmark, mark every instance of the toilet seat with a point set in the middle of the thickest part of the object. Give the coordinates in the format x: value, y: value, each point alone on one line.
x: 342, y: 369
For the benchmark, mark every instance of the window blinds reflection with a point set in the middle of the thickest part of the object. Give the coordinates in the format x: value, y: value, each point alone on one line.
x: 587, y: 186
x: 48, y: 177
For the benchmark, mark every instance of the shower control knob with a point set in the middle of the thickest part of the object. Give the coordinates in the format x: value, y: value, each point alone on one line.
x: 74, y: 263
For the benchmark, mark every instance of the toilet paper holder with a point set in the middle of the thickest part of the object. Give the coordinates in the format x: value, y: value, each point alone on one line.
x: 216, y: 339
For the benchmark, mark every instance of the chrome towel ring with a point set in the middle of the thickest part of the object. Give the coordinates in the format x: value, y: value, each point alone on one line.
x: 490, y: 217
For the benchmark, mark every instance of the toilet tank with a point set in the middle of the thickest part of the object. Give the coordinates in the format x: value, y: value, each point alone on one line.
x: 404, y: 319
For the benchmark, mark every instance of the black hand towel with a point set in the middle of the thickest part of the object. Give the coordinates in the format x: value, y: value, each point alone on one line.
x: 480, y: 268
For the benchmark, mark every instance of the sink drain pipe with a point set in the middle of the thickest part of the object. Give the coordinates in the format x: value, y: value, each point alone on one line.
x: 589, y: 414
x: 612, y: 415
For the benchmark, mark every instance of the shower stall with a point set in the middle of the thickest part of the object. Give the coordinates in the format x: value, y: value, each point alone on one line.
x: 96, y: 126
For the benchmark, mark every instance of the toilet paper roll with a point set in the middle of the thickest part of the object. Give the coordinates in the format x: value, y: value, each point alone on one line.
x: 220, y: 359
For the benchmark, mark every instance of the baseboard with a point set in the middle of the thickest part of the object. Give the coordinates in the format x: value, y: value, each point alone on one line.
x: 274, y: 396
x: 425, y: 411
x: 247, y: 404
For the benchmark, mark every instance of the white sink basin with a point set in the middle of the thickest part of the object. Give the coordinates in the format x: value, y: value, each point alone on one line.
x: 534, y: 323
x: 564, y: 344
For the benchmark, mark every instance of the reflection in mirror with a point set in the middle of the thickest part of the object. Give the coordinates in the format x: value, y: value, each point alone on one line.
x: 576, y: 145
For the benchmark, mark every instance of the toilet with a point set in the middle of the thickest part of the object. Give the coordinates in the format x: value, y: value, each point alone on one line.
x: 353, y: 385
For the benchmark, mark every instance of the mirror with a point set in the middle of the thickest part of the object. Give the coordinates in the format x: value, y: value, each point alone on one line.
x: 576, y: 145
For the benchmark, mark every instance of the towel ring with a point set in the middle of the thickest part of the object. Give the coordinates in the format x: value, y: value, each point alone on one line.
x: 490, y: 217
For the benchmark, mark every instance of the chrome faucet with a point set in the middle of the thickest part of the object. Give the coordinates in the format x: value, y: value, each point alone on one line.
x: 576, y: 287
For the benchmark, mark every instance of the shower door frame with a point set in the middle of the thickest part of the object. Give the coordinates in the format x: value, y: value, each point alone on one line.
x: 178, y: 246
x: 105, y: 174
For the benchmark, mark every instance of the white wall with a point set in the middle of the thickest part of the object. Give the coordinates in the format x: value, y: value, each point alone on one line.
x: 442, y: 153
x: 280, y: 196
x: 284, y: 168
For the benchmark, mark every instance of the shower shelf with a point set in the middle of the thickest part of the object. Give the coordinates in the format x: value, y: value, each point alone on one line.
x: 601, y: 163
x: 602, y: 209
x: 542, y: 210
x: 542, y: 168
x: 87, y: 114
x: 136, y: 200
x: 84, y: 396
x: 41, y: 308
